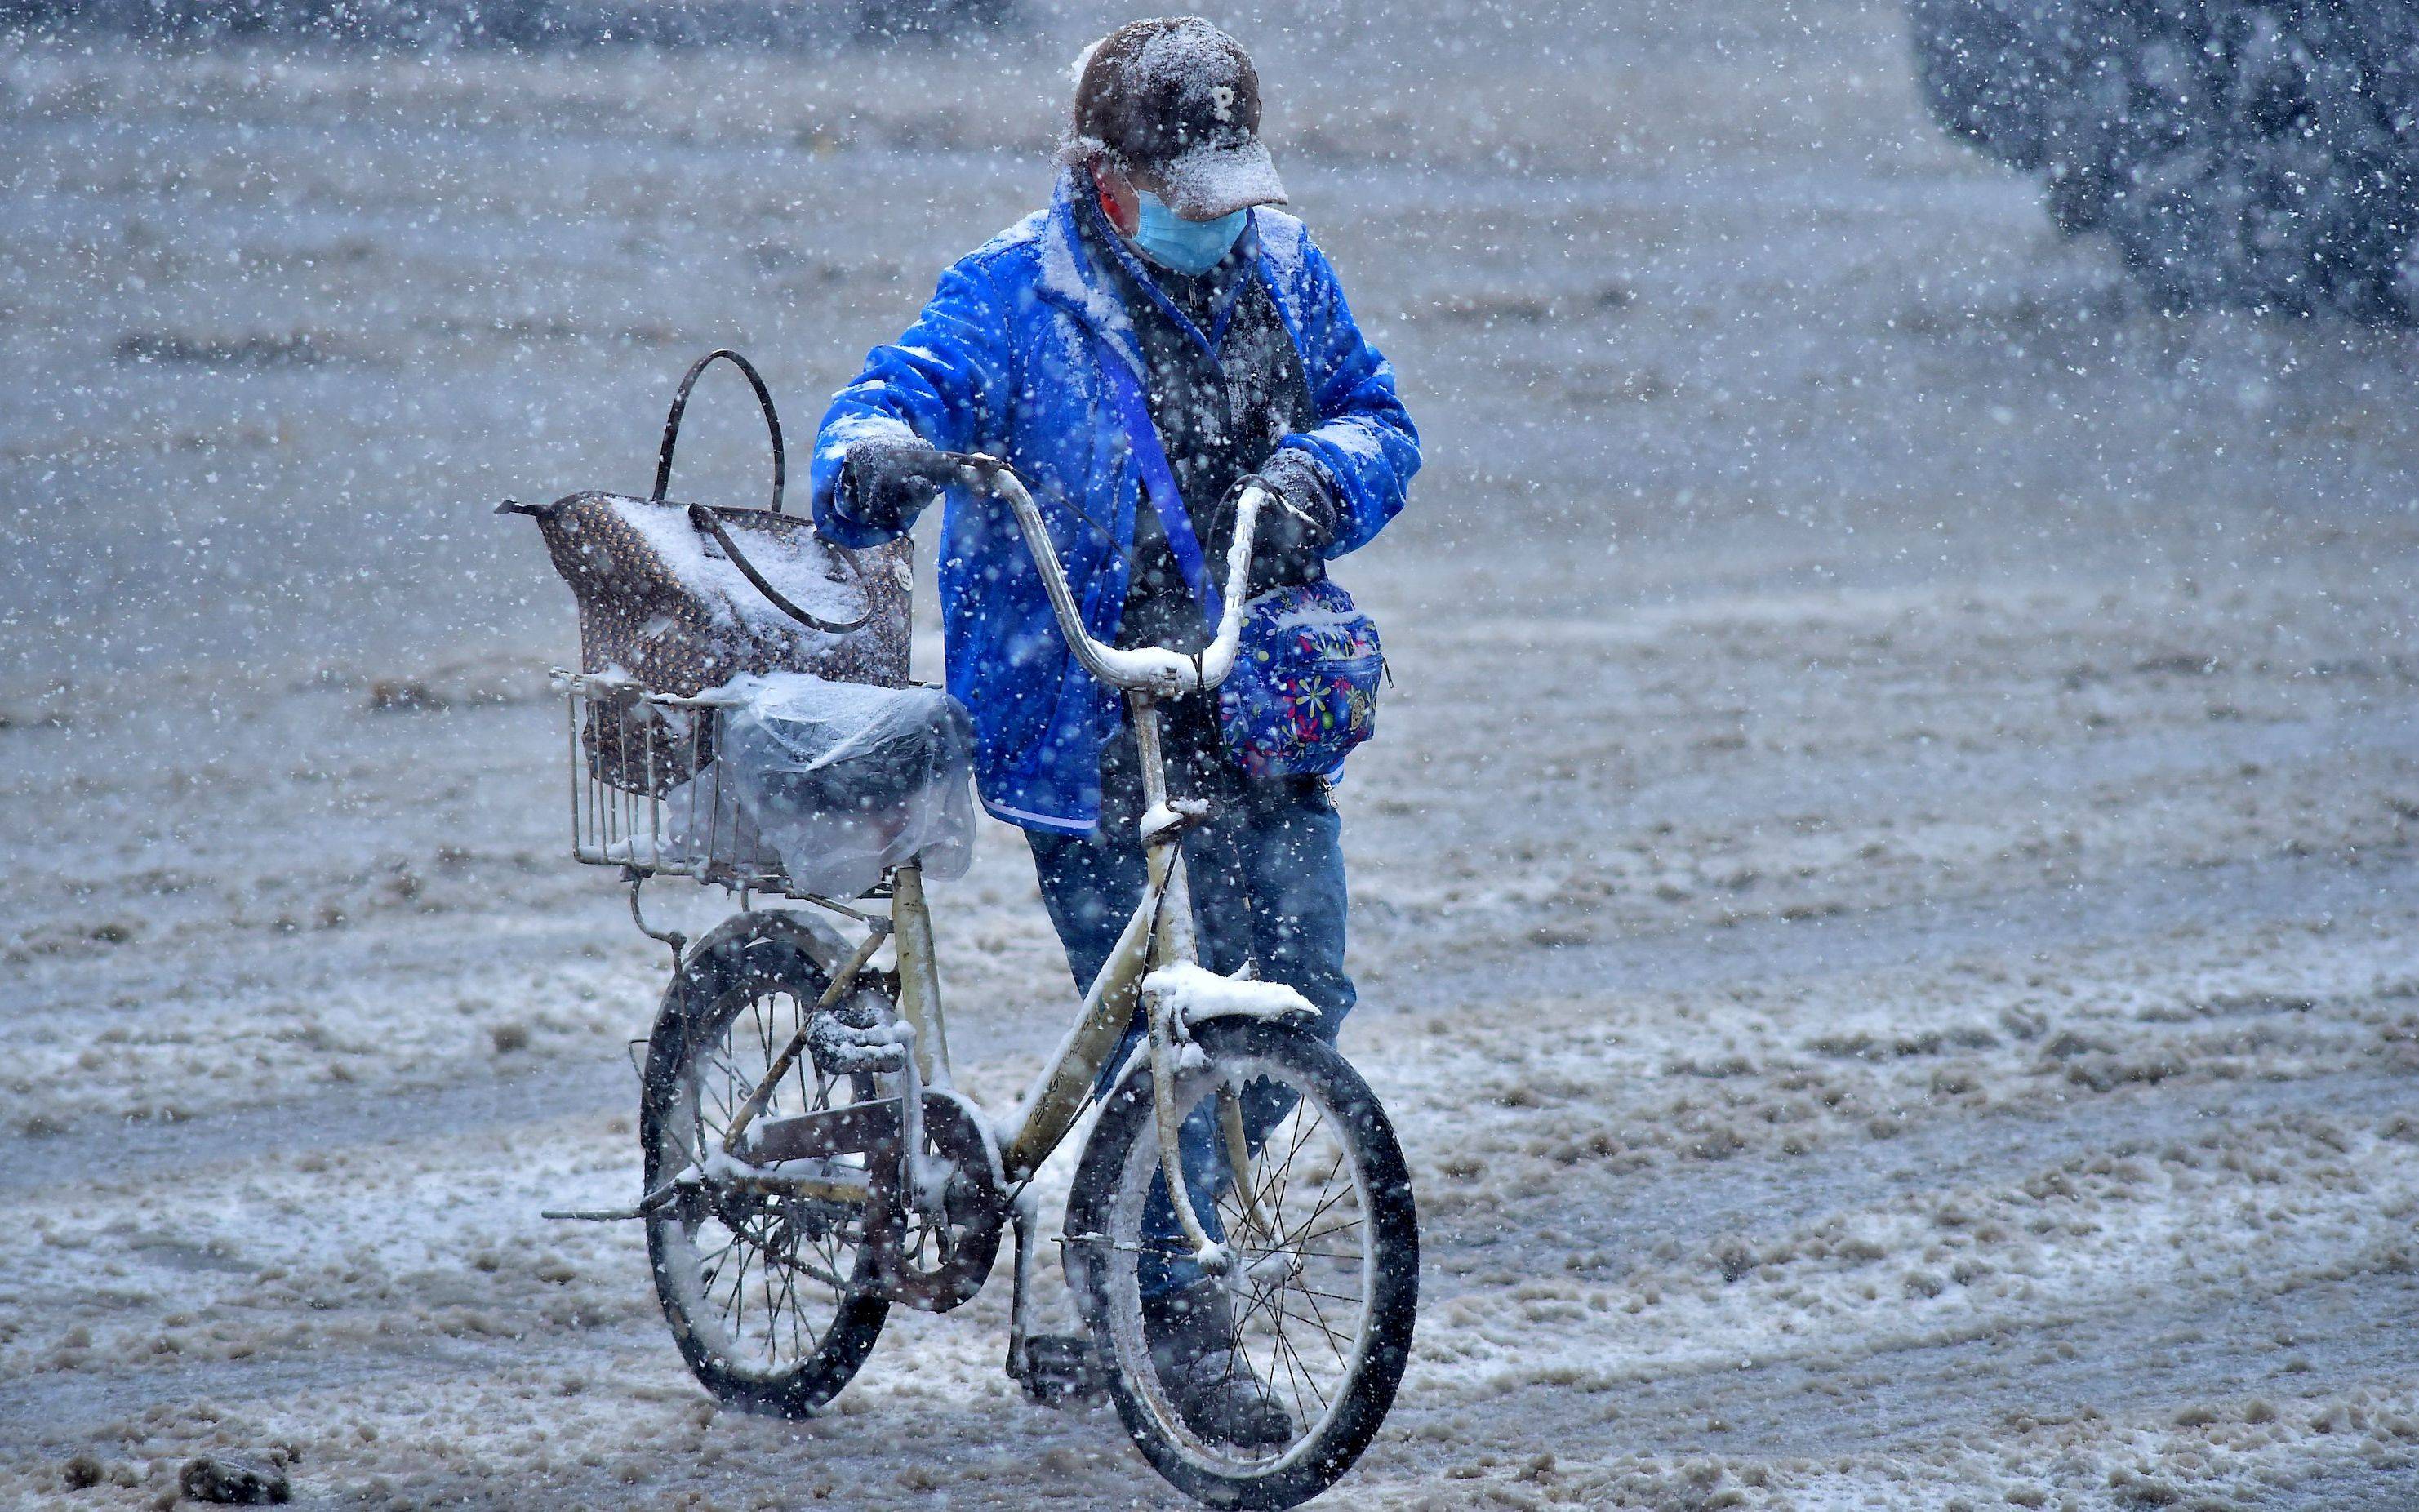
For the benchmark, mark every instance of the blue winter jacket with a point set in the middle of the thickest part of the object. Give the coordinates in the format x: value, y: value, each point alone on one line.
x: 1006, y: 360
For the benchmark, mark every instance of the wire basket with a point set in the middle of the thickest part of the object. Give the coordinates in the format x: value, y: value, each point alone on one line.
x: 646, y: 791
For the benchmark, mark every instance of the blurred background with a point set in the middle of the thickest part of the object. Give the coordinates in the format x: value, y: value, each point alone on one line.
x: 1883, y: 896
x: 312, y: 283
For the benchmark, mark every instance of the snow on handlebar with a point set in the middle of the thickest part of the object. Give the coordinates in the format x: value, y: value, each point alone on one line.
x: 1151, y: 668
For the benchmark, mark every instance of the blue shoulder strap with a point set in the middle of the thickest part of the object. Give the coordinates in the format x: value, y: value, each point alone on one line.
x: 1142, y: 436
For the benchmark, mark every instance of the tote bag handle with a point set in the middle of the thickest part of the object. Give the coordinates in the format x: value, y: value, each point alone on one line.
x: 680, y: 405
x: 706, y: 520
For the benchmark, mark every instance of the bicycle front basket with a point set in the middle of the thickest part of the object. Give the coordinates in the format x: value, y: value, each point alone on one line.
x: 681, y: 598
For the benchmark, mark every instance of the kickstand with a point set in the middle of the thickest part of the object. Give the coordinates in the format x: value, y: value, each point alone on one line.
x: 1054, y: 1369
x: 1021, y: 1302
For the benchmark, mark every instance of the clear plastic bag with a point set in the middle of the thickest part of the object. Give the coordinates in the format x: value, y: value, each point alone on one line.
x: 842, y: 781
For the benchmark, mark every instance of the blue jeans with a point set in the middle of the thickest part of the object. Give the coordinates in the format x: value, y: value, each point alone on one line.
x: 1267, y: 874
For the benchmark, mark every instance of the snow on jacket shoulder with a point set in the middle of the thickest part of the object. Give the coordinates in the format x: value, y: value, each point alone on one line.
x: 1006, y: 359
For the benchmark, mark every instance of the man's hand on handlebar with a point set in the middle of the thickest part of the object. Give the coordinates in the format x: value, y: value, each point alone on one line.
x: 939, y: 468
x: 888, y: 484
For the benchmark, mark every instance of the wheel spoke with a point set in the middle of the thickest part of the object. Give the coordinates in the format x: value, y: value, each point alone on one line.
x: 1297, y: 1235
x: 1320, y: 1318
x: 1251, y: 1255
x: 1327, y: 1179
x: 790, y: 1289
x: 1271, y: 1173
x: 1278, y: 1353
x: 1252, y: 1309
x: 1331, y: 1296
x: 1285, y: 1342
x: 772, y: 1310
x: 1297, y: 1247
x: 736, y: 1310
x: 1313, y: 1120
x: 1283, y: 1311
x: 1279, y: 1176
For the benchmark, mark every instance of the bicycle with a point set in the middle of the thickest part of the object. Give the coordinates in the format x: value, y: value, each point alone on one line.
x: 809, y: 1163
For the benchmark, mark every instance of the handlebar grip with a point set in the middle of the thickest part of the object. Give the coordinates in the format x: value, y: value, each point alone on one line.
x: 983, y: 466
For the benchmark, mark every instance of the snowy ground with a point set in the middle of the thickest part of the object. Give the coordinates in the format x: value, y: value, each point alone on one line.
x: 1884, y: 902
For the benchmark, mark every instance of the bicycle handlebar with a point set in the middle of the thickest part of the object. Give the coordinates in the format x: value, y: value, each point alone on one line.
x: 1153, y: 668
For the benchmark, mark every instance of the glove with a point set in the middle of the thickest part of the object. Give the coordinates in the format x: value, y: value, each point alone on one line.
x: 885, y: 485
x: 1295, y: 523
x: 1308, y: 499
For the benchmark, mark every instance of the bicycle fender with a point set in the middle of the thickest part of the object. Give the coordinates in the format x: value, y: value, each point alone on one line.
x: 1194, y: 995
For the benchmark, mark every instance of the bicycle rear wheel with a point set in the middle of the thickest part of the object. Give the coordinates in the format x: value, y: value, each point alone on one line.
x: 768, y: 1295
x: 1326, y: 1239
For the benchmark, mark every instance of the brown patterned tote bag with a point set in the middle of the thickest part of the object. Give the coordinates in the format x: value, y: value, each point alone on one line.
x: 685, y: 597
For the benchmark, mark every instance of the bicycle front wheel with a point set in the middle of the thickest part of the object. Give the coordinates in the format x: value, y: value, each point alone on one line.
x: 1318, y: 1307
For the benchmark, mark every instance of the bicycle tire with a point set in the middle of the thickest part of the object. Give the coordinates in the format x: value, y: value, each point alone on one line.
x: 1114, y: 1171
x: 749, y: 959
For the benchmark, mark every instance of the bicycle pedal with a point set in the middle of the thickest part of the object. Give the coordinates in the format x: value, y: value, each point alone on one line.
x: 1058, y: 1368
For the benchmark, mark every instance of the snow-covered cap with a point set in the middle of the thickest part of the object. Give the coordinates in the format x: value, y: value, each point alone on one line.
x: 1179, y: 98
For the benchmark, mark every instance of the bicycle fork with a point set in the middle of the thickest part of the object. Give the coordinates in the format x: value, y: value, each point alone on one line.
x: 1173, y: 943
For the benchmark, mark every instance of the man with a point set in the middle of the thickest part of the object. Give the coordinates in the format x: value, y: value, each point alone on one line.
x: 1157, y: 257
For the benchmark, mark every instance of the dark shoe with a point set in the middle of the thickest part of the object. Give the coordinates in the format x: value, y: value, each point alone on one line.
x: 1202, y: 1368
x: 1057, y: 1369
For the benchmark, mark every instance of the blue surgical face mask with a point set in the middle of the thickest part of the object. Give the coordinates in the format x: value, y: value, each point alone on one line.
x: 1190, y: 247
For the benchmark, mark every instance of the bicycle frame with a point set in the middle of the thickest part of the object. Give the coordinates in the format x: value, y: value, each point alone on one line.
x: 1157, y: 938
x: 1160, y: 933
